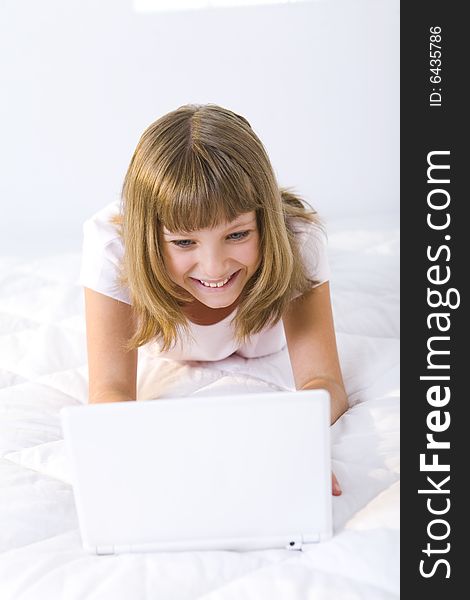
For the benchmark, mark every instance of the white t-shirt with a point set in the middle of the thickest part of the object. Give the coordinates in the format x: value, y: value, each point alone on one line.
x: 103, y: 251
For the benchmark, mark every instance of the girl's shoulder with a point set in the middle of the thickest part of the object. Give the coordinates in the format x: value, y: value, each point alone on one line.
x: 312, y: 242
x: 102, y: 254
x: 98, y: 226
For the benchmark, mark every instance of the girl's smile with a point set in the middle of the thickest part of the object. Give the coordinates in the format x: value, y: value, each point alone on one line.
x: 214, y: 264
x: 220, y: 286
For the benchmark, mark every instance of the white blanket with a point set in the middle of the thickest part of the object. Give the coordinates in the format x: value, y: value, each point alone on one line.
x: 43, y: 368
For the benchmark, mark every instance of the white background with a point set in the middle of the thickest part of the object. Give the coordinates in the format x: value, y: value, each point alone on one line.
x: 82, y: 79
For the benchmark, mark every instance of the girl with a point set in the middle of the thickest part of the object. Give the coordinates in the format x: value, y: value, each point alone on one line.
x: 205, y: 257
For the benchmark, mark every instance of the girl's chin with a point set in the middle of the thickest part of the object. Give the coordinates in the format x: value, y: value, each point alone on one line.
x: 216, y: 302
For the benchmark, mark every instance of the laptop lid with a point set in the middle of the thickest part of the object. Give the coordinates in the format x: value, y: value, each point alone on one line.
x: 234, y: 472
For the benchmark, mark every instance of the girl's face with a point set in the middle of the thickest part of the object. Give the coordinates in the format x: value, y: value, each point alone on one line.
x: 214, y: 265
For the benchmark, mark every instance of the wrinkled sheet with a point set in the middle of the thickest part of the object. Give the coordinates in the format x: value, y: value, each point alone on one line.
x: 43, y: 368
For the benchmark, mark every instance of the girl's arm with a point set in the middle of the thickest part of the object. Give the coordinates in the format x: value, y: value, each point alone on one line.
x: 311, y: 341
x: 112, y: 371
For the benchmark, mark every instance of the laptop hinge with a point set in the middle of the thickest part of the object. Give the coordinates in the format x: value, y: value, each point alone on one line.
x: 295, y: 542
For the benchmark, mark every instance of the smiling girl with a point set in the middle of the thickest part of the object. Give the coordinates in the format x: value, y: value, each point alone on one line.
x: 205, y: 256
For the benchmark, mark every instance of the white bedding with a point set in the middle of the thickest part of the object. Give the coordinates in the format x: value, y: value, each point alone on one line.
x: 43, y: 368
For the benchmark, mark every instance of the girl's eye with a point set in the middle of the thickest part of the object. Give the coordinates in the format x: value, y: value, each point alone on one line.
x: 239, y: 235
x: 182, y: 243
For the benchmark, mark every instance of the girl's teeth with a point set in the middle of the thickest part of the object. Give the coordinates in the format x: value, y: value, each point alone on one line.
x: 220, y: 284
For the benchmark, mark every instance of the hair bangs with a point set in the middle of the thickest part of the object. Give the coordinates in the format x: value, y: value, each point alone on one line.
x: 203, y: 192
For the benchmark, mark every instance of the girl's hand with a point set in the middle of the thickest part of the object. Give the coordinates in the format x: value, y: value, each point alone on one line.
x: 336, y: 489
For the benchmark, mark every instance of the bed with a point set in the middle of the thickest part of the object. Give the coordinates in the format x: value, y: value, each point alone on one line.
x: 43, y: 368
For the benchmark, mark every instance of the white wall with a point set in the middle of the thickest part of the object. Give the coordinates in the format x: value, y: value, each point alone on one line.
x: 81, y: 80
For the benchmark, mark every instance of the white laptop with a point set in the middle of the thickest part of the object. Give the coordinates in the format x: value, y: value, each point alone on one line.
x: 241, y: 472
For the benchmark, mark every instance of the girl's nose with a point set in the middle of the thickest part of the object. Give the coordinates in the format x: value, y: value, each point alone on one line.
x: 213, y: 266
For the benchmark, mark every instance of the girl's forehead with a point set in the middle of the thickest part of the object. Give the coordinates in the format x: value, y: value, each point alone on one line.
x: 242, y: 219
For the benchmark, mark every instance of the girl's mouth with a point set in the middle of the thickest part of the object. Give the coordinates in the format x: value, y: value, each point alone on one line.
x: 216, y: 288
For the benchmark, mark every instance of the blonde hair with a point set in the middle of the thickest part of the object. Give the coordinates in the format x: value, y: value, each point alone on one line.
x: 197, y: 167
